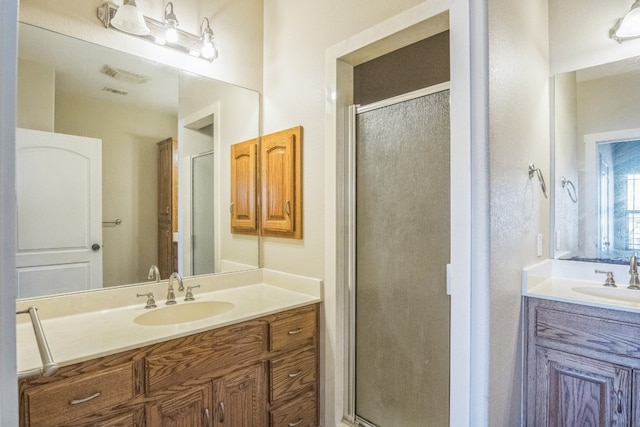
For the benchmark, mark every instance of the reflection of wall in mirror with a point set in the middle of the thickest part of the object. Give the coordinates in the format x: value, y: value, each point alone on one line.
x: 129, y: 164
x: 130, y: 177
x: 586, y: 107
x: 566, y: 164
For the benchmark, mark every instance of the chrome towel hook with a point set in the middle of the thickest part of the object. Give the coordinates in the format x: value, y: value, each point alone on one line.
x: 571, y: 189
x: 533, y: 171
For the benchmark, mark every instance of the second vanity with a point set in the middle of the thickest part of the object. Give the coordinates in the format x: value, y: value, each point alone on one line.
x: 582, y: 346
x: 253, y: 364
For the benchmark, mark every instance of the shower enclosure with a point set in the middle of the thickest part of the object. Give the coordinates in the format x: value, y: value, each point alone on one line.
x: 402, y: 241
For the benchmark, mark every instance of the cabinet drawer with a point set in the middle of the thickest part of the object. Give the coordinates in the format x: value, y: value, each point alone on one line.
x: 66, y: 400
x: 293, y: 373
x: 294, y: 331
x: 301, y: 412
x: 205, y: 355
x: 588, y: 332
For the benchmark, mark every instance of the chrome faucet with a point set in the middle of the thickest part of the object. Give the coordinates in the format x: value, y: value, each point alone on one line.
x: 634, y: 282
x: 171, y: 296
x: 154, y: 273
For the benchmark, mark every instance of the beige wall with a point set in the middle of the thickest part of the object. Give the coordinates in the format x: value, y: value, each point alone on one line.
x: 519, y: 135
x: 36, y: 96
x: 129, y: 178
x: 296, y: 37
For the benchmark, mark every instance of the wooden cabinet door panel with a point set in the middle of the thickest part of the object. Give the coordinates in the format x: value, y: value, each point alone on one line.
x: 578, y: 391
x: 243, y: 187
x: 281, y: 183
x: 190, y: 409
x: 240, y: 398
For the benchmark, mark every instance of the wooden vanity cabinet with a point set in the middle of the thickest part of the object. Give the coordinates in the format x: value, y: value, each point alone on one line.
x: 582, y: 365
x: 257, y: 373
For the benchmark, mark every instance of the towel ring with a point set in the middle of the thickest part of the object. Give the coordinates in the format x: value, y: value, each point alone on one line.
x: 533, y: 171
x: 571, y: 189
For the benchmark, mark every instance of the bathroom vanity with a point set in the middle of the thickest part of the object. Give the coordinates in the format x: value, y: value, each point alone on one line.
x: 582, y: 354
x: 261, y: 371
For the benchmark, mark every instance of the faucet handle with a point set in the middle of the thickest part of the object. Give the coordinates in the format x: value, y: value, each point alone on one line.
x: 151, y: 302
x: 610, y: 282
x: 189, y: 295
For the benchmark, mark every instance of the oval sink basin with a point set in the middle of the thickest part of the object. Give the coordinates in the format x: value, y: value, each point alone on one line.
x: 618, y: 294
x: 182, y: 313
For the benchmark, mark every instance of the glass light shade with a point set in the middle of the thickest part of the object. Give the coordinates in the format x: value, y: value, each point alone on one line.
x: 171, y: 35
x: 130, y: 20
x: 209, y: 51
x: 630, y: 25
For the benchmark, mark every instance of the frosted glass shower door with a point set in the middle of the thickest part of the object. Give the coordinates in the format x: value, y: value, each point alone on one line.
x: 402, y: 249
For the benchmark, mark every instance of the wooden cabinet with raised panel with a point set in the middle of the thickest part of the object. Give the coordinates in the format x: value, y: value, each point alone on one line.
x: 281, y: 183
x: 254, y: 373
x: 167, y: 206
x: 244, y: 219
x: 190, y: 408
x: 240, y: 398
x: 582, y: 365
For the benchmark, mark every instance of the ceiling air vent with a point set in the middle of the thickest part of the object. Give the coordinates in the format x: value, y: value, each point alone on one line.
x: 124, y: 75
x: 116, y: 91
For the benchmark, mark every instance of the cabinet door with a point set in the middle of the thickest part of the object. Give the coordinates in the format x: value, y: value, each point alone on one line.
x: 190, y: 408
x: 577, y: 391
x: 240, y: 398
x: 167, y: 180
x: 280, y: 165
x: 243, y: 187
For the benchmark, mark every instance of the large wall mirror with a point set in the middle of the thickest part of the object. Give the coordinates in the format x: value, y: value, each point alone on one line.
x: 92, y: 178
x: 595, y: 136
x: 597, y: 162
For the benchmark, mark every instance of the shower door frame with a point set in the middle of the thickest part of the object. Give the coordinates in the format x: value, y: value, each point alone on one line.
x: 350, y: 267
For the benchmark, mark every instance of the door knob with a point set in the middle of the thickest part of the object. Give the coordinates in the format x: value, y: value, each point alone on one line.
x: 95, y: 247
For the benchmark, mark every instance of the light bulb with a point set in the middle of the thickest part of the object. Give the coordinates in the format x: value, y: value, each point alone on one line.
x: 208, y: 49
x: 171, y: 35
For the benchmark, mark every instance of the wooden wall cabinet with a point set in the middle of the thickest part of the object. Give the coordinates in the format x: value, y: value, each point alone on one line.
x: 244, y: 216
x: 281, y: 183
x: 582, y: 365
x: 167, y: 206
x: 258, y: 373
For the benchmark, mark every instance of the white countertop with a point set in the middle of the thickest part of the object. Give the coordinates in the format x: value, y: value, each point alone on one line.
x: 86, y: 335
x: 576, y: 282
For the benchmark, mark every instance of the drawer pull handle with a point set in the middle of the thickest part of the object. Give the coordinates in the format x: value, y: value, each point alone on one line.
x: 295, y: 331
x: 207, y: 416
x: 619, y: 407
x: 296, y: 423
x: 295, y: 374
x: 86, y: 399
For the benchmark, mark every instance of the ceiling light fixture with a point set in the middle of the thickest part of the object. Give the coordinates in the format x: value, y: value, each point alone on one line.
x: 628, y: 27
x: 163, y: 33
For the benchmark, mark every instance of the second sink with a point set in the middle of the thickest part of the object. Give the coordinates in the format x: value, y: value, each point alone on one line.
x: 626, y: 295
x: 182, y: 313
